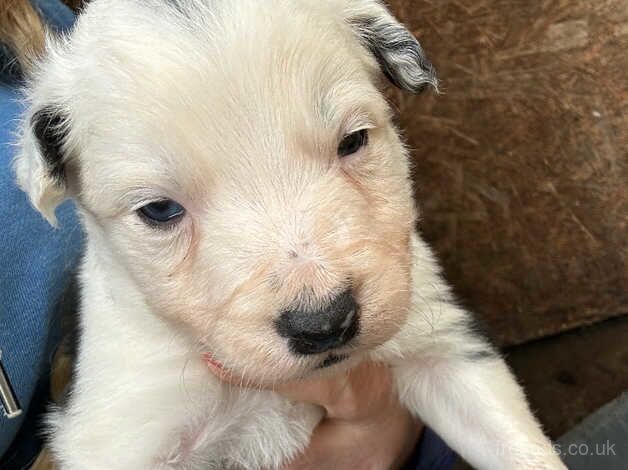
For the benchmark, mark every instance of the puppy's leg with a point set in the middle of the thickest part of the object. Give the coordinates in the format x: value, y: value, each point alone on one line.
x: 459, y: 385
x: 479, y: 410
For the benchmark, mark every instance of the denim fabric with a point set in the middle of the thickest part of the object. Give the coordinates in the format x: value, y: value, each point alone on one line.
x: 431, y: 453
x: 35, y: 262
x: 55, y: 13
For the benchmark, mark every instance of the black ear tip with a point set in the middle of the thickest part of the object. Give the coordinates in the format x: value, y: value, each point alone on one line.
x: 399, y: 54
x: 425, y: 77
x: 421, y: 88
x: 49, y: 128
x: 428, y: 68
x: 414, y: 79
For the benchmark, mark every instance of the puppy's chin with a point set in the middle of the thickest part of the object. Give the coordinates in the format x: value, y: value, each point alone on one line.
x: 285, y: 366
x: 325, y: 366
x: 266, y: 376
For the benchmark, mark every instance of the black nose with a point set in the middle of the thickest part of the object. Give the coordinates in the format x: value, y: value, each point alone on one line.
x: 315, y: 330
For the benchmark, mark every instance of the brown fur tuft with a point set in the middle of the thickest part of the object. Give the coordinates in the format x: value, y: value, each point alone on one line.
x: 22, y: 29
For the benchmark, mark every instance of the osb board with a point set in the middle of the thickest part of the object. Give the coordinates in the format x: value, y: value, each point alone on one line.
x: 522, y: 161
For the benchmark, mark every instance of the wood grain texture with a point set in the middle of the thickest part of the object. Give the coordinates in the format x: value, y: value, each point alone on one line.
x: 521, y: 165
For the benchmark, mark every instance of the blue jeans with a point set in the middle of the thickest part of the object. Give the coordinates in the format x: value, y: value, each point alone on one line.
x: 35, y: 263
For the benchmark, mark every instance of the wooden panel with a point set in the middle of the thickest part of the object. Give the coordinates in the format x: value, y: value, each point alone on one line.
x: 522, y: 162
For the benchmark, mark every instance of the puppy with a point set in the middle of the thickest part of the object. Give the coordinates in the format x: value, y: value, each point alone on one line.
x: 246, y: 196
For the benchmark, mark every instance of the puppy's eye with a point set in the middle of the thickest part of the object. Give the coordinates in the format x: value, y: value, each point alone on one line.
x: 353, y: 142
x: 165, y: 211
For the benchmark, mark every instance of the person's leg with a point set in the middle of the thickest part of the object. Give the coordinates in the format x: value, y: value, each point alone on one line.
x: 35, y: 266
x: 56, y: 14
x: 431, y: 453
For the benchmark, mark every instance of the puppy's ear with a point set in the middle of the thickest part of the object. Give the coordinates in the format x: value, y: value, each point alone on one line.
x: 40, y: 163
x: 398, y: 53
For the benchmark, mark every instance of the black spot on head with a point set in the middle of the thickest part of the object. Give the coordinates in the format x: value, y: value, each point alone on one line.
x: 49, y: 127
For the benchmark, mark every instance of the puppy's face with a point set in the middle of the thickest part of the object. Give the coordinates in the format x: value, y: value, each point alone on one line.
x: 240, y: 163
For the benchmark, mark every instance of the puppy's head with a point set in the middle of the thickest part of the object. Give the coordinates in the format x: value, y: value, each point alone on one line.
x: 238, y: 161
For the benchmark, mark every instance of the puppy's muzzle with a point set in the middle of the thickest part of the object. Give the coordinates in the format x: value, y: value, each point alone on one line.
x: 316, y: 330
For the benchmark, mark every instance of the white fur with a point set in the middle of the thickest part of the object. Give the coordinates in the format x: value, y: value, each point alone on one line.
x: 234, y: 109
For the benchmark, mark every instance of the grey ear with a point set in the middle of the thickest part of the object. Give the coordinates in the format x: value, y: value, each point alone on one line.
x: 40, y: 164
x: 398, y: 53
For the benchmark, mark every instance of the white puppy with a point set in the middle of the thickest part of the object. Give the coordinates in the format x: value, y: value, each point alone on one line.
x: 245, y: 194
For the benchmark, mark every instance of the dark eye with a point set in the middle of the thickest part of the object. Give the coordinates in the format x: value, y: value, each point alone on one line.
x: 353, y: 142
x: 164, y: 211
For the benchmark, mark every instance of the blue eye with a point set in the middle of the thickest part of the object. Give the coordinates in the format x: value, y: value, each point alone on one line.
x: 165, y: 211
